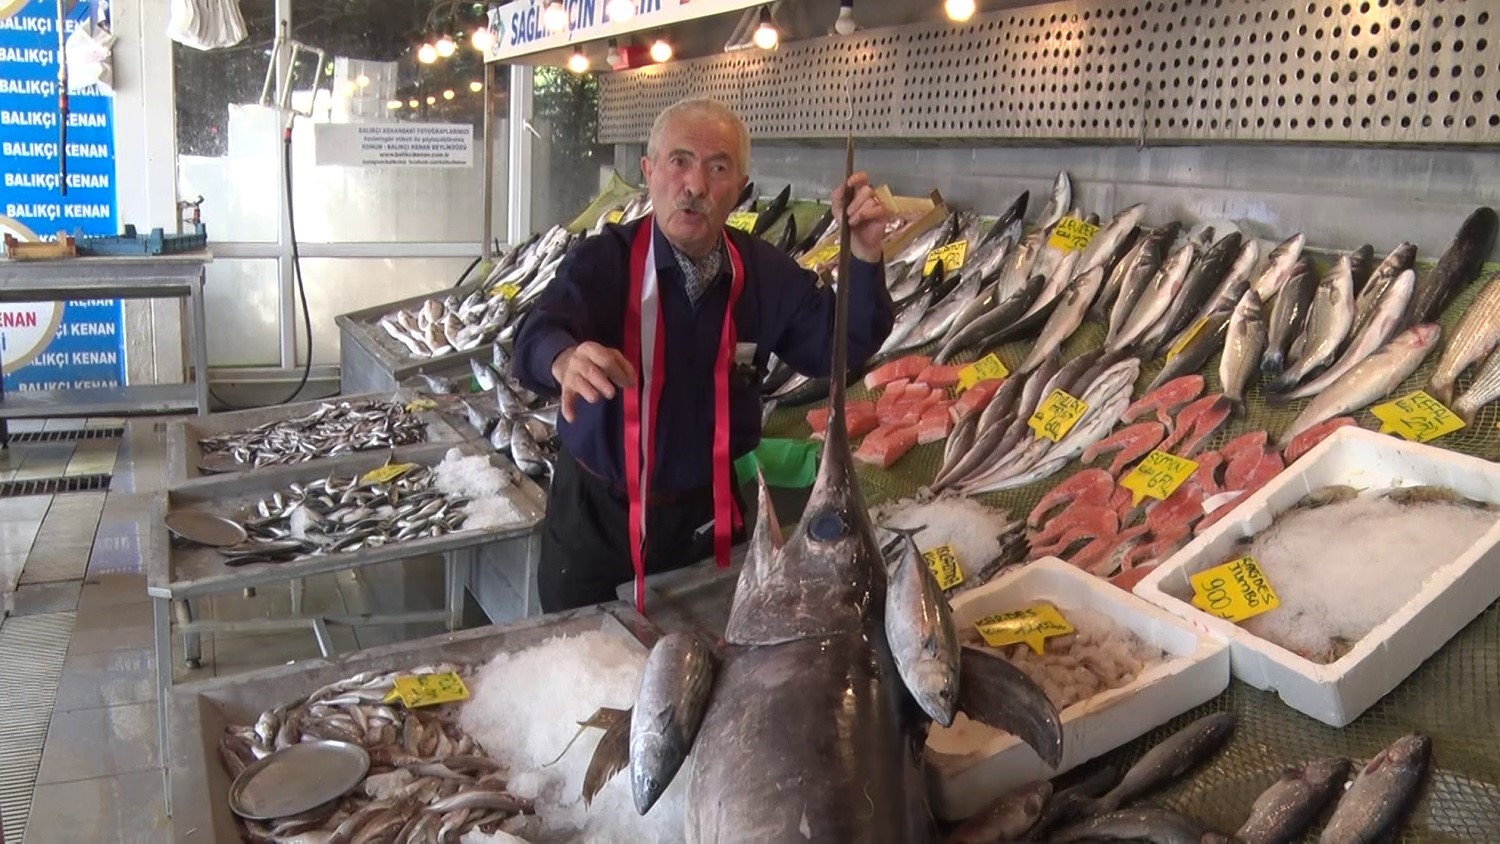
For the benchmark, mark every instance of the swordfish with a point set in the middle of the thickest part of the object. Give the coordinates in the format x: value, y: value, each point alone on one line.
x: 808, y: 722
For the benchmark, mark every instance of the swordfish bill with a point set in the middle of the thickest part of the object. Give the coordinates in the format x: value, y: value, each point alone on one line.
x: 811, y: 731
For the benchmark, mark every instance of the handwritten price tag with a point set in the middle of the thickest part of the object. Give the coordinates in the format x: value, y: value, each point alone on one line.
x: 616, y: 215
x: 1158, y: 476
x: 821, y: 255
x: 952, y: 256
x: 987, y: 368
x: 1057, y: 415
x: 1237, y: 590
x: 1417, y: 417
x: 743, y: 220
x: 943, y: 561
x: 508, y: 291
x: 429, y: 689
x: 387, y: 473
x: 420, y: 404
x: 1033, y: 625
x: 1072, y: 235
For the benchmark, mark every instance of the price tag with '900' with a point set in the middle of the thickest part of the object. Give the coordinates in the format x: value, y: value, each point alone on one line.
x: 1236, y: 591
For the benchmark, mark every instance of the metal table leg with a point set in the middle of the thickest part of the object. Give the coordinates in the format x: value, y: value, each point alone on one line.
x: 297, y: 591
x: 200, y: 344
x: 192, y: 642
x: 458, y: 564
x: 161, y: 611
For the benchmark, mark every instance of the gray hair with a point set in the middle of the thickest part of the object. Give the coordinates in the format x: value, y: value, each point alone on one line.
x: 703, y: 108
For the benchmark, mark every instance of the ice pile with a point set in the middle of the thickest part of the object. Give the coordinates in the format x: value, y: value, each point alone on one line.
x: 524, y: 707
x: 475, y: 478
x: 1341, y: 569
x: 973, y: 529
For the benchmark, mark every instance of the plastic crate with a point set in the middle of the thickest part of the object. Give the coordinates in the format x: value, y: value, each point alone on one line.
x: 130, y: 243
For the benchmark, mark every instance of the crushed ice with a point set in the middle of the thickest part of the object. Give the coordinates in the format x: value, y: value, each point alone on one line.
x: 475, y: 478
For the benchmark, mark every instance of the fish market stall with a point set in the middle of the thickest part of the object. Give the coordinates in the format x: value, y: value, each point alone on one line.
x: 245, y: 440
x: 200, y: 784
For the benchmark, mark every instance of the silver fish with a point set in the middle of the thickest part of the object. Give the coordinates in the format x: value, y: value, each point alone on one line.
x: 1328, y: 325
x: 1370, y: 380
x: 1401, y: 259
x: 923, y: 640
x: 1059, y: 203
x: 1288, y: 316
x: 1101, y: 250
x: 1173, y: 757
x: 1378, y: 329
x: 1285, y: 810
x: 1145, y: 823
x: 1278, y: 269
x: 484, y: 374
x: 1065, y: 318
x: 1007, y: 817
x: 1385, y: 787
x: 1155, y: 299
x: 668, y: 709
x: 1477, y: 334
x: 1484, y: 389
x: 1243, y: 349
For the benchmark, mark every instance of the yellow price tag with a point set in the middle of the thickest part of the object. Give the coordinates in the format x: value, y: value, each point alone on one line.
x: 615, y: 216
x: 821, y: 255
x: 1187, y: 338
x: 1033, y: 625
x: 1158, y: 476
x: 1237, y: 590
x: 1057, y: 415
x: 743, y: 220
x: 952, y: 256
x: 1417, y: 417
x: 387, y: 473
x: 420, y: 404
x: 1072, y: 235
x: 509, y: 291
x: 943, y: 561
x: 429, y: 689
x: 987, y: 368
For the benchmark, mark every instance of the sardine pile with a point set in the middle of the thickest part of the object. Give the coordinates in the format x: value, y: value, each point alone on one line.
x: 428, y: 779
x: 335, y: 514
x: 334, y: 428
x: 518, y: 422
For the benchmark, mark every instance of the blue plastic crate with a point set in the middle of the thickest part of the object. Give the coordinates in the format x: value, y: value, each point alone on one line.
x: 130, y: 243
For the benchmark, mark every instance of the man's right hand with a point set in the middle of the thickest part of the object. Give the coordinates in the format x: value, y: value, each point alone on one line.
x: 590, y: 371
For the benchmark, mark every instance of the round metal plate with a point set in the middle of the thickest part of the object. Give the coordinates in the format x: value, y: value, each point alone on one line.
x: 298, y: 778
x: 214, y: 464
x: 205, y: 528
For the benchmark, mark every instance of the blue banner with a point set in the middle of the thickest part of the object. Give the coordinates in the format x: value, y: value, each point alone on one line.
x: 55, y: 345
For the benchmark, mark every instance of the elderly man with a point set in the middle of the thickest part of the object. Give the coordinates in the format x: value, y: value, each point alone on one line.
x: 634, y: 326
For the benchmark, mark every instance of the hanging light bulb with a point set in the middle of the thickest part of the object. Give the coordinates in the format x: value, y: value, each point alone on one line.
x: 393, y: 104
x: 845, y: 25
x: 482, y: 39
x: 363, y: 81
x: 578, y: 62
x: 427, y: 54
x: 412, y: 103
x: 613, y: 57
x: 661, y: 51
x: 448, y: 94
x: 446, y: 47
x: 619, y: 10
x: 959, y: 10
x: 766, y: 36
x: 555, y: 18
x: 431, y: 100
x: 476, y: 86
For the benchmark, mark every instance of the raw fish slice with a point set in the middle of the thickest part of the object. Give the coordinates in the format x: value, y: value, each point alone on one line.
x: 1070, y: 539
x: 1128, y: 578
x: 1095, y: 552
x: 1252, y: 470
x: 1304, y: 442
x: 1089, y: 487
x: 1132, y: 443
x: 1114, y: 559
x: 1163, y: 544
x: 1165, y: 399
x: 1198, y: 420
x: 1098, y: 519
x: 1181, y: 508
x: 1255, y: 440
x: 1207, y: 474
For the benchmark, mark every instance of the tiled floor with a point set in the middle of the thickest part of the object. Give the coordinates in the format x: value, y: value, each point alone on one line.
x: 76, y: 622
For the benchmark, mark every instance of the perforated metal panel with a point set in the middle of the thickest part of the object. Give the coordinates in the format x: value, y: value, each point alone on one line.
x: 1382, y: 71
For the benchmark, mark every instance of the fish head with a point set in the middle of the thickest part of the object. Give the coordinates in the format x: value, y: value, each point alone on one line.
x: 1421, y: 336
x: 934, y: 685
x: 1410, y: 751
x: 1250, y: 306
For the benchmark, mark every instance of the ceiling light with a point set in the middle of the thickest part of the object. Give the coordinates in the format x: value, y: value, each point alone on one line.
x: 412, y: 103
x: 476, y: 86
x: 431, y: 100
x: 446, y: 47
x: 766, y: 37
x: 427, y: 54
x: 555, y: 18
x: 363, y: 81
x: 661, y: 51
x: 619, y: 10
x: 845, y: 25
x: 393, y: 104
x: 959, y: 10
x: 613, y: 57
x: 448, y: 94
x: 482, y: 39
x: 578, y: 62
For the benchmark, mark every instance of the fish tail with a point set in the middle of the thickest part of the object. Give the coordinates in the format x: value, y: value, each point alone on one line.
x: 1442, y: 391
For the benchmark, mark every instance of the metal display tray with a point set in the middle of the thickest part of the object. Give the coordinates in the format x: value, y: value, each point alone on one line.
x: 370, y: 359
x: 181, y: 571
x: 183, y: 451
x: 201, y: 711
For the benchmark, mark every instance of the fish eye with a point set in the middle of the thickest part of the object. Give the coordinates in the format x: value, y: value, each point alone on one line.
x: 828, y: 526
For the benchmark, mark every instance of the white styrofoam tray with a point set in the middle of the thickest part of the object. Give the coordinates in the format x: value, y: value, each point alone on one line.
x: 1196, y: 670
x: 1454, y: 595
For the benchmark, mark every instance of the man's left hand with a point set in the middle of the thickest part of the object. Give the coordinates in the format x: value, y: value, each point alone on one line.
x: 868, y: 217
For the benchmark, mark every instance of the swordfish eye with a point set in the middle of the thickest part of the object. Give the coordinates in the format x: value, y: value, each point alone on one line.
x: 828, y: 526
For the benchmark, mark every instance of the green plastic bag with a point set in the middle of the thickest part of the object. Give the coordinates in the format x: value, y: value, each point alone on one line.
x: 789, y: 464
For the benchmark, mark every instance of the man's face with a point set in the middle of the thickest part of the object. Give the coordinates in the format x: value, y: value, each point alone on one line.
x: 694, y: 181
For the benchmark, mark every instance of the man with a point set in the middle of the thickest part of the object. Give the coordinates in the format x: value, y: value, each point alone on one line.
x: 633, y: 326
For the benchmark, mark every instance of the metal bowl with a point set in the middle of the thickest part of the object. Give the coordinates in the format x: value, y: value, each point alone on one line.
x: 205, y: 528
x: 297, y: 779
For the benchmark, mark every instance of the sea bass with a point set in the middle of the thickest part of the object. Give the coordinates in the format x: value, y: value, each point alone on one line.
x: 1370, y: 380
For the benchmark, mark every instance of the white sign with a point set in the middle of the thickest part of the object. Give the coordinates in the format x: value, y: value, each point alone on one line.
x: 519, y: 28
x: 394, y: 144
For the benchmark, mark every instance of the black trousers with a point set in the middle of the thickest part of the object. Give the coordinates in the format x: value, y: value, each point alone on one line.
x: 585, y: 550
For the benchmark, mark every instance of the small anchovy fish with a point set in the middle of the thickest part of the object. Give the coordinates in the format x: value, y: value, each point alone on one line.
x: 333, y: 428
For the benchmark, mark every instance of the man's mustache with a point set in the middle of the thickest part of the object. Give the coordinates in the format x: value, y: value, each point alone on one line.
x: 697, y: 206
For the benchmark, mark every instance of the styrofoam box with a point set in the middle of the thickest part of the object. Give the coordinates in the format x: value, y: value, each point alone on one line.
x: 1196, y: 670
x: 1456, y: 593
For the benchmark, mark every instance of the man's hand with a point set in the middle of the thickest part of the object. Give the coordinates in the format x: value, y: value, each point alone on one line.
x: 868, y: 217
x: 590, y: 371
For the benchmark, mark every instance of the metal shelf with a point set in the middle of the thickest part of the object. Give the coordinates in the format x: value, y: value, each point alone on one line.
x: 102, y: 401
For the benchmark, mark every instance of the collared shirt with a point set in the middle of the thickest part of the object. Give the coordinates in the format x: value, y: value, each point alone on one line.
x: 698, y: 275
x: 781, y: 310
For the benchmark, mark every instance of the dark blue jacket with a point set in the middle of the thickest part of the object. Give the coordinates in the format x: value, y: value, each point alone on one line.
x: 781, y: 310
